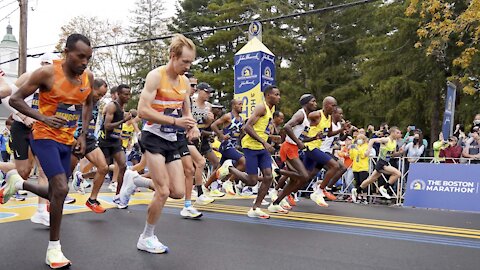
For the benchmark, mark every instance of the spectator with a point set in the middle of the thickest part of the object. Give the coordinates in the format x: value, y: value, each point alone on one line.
x: 347, y: 162
x: 437, y: 147
x: 453, y: 152
x: 415, y: 148
x: 370, y: 131
x: 460, y: 134
x: 476, y: 120
x: 472, y: 146
x: 360, y: 163
x: 4, y: 138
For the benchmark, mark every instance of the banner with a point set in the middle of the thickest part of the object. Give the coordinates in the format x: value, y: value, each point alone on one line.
x: 443, y: 186
x: 254, y: 70
x: 449, y: 115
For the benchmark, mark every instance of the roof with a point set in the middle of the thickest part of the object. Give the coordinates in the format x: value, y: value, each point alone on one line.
x: 254, y: 45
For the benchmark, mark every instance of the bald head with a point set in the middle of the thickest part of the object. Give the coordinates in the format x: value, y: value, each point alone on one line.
x: 329, y: 104
x: 236, y: 105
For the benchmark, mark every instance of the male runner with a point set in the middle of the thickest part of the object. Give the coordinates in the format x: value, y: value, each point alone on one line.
x: 257, y: 150
x: 165, y: 104
x: 388, y: 149
x: 92, y: 152
x: 110, y: 135
x: 64, y: 87
x: 232, y: 124
x: 297, y: 133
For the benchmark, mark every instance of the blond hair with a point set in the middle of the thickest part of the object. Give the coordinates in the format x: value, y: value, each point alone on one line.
x: 178, y: 42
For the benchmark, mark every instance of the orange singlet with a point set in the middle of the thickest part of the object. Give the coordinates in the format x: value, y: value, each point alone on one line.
x: 64, y: 99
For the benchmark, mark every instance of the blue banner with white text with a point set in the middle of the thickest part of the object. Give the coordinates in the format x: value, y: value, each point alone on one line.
x: 448, y: 116
x: 444, y: 186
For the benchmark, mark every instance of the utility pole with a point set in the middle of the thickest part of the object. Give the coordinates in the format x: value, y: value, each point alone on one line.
x: 22, y: 52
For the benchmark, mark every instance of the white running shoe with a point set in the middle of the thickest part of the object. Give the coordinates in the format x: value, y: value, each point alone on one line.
x: 216, y: 193
x: 70, y: 200
x: 257, y: 213
x: 354, y: 195
x: 284, y: 204
x: 228, y: 186
x: 55, y: 258
x: 151, y: 244
x: 204, y: 200
x: 317, y: 197
x: 128, y: 186
x: 276, y: 208
x: 113, y: 187
x: 264, y: 202
x: 118, y: 202
x: 190, y: 212
x: 223, y: 171
x: 384, y: 192
x: 77, y: 182
x: 274, y: 194
x: 41, y: 218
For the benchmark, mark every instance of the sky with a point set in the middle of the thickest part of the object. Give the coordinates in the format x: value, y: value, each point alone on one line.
x: 46, y: 17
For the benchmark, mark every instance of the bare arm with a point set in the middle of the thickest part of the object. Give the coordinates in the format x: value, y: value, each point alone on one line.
x: 296, y: 119
x: 222, y: 121
x: 87, y: 106
x: 5, y: 89
x: 110, y: 111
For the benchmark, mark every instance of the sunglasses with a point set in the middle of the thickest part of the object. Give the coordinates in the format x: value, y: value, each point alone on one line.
x: 194, y: 85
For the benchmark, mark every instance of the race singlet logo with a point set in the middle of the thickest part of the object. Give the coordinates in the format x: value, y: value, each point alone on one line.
x: 177, y: 113
x: 70, y: 112
x: 35, y: 101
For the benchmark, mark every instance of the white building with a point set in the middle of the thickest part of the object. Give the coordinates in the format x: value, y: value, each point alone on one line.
x: 8, y: 51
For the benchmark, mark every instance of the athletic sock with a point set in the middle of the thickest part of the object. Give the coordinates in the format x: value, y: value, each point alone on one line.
x: 188, y: 203
x: 199, y: 190
x: 142, y: 182
x: 19, y: 185
x: 148, y: 231
x: 54, y: 244
x: 42, y: 208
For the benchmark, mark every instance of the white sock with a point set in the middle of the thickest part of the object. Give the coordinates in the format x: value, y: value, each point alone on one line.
x: 148, y: 231
x: 19, y: 185
x: 54, y: 244
x: 142, y: 182
x: 42, y: 208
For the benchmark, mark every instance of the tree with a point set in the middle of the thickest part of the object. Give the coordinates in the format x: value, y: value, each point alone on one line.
x: 147, y: 22
x: 107, y: 63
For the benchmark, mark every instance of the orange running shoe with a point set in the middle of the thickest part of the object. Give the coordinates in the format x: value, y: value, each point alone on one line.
x: 329, y: 195
x: 95, y: 207
x: 291, y: 200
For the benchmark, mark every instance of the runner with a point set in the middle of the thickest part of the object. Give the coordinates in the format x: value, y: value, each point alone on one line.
x: 165, y: 104
x: 388, y: 149
x: 64, y: 87
x: 229, y: 138
x: 110, y: 135
x: 92, y: 152
x: 297, y: 133
x: 257, y: 150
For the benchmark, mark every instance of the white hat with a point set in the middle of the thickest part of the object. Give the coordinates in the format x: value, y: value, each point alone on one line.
x: 48, y: 57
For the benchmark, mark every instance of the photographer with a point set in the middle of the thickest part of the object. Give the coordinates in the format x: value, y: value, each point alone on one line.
x: 472, y: 146
x: 453, y: 152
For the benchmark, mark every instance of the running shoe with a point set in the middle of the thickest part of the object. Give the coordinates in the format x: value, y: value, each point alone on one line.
x: 276, y: 208
x: 255, y: 189
x: 95, y: 206
x: 190, y: 212
x: 113, y: 187
x: 264, y: 202
x: 223, y: 171
x: 119, y: 203
x: 77, y: 182
x: 204, y: 200
x: 283, y: 203
x: 228, y: 186
x: 384, y: 192
x: 9, y: 190
x: 216, y: 193
x: 291, y: 200
x: 70, y: 200
x: 151, y: 244
x: 19, y: 197
x: 41, y: 218
x: 273, y: 194
x: 354, y: 195
x: 317, y: 197
x: 128, y: 186
x: 55, y: 258
x: 329, y: 195
x: 23, y: 192
x: 246, y: 192
x: 257, y: 213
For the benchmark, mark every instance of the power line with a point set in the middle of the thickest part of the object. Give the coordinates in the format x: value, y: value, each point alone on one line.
x: 9, y: 14
x: 192, y: 33
x: 6, y: 5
